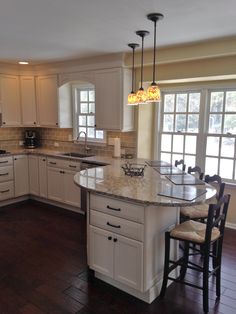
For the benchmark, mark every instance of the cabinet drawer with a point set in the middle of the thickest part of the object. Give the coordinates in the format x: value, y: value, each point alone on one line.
x: 117, y: 225
x: 66, y: 164
x: 6, y: 173
x: 6, y: 190
x: 5, y: 161
x: 127, y: 210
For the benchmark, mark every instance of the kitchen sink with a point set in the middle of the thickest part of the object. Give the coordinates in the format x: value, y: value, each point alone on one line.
x: 78, y: 155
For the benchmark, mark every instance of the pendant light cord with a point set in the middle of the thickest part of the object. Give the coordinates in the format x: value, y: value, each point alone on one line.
x: 133, y: 73
x: 141, y: 88
x: 154, y: 53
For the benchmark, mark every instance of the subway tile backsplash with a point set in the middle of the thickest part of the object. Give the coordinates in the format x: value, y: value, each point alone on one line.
x: 10, y: 139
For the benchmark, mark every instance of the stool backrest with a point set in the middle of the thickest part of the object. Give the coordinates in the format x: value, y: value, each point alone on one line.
x: 197, y: 170
x: 217, y: 217
x: 180, y: 162
x: 220, y: 185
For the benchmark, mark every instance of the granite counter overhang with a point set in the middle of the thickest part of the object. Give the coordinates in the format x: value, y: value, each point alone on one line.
x: 110, y: 180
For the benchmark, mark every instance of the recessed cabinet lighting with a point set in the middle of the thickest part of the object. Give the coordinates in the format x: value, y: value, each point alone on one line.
x: 23, y: 62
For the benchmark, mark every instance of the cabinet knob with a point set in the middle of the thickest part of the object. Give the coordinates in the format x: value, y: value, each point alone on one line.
x: 4, y: 122
x: 115, y: 240
x: 57, y: 123
x: 34, y: 122
x: 109, y: 238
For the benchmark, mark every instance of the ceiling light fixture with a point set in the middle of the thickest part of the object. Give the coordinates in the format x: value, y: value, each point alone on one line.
x: 132, y: 96
x: 23, y: 62
x: 141, y: 95
x: 153, y: 92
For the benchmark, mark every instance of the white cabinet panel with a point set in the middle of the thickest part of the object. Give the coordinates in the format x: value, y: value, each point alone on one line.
x: 33, y: 175
x: 21, y: 175
x: 43, y: 180
x: 6, y: 190
x: 55, y: 184
x: 28, y: 100
x: 71, y: 190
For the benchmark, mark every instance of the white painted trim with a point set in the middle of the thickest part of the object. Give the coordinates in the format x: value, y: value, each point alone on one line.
x: 230, y: 225
x: 14, y: 200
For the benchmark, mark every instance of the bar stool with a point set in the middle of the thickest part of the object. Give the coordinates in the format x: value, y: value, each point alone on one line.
x: 196, y: 170
x: 180, y: 162
x: 200, y: 212
x: 207, y: 236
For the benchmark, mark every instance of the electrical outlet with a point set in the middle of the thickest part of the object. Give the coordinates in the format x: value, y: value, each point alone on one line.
x: 21, y: 143
x: 56, y: 144
x: 111, y: 141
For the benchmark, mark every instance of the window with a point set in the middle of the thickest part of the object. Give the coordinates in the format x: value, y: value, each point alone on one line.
x: 200, y: 127
x: 84, y: 114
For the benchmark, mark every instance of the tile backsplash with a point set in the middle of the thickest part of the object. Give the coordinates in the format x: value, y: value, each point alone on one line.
x: 10, y: 139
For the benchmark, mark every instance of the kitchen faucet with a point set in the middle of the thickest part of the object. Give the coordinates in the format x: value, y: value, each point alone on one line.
x: 86, y: 148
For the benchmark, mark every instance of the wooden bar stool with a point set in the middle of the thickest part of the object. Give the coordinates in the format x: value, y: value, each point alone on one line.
x: 209, y: 236
x: 180, y: 162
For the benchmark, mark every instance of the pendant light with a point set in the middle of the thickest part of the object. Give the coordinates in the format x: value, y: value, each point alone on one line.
x: 132, y: 96
x: 153, y: 92
x: 141, y: 95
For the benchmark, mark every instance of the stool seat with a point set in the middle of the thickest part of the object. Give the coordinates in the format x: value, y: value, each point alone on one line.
x: 193, y: 231
x: 195, y: 212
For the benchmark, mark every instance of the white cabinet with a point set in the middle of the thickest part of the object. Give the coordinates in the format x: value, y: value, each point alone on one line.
x: 21, y: 175
x: 43, y: 180
x: 112, y: 87
x: 61, y: 186
x: 28, y: 100
x: 47, y: 98
x: 10, y: 100
x: 33, y: 175
x: 6, y: 178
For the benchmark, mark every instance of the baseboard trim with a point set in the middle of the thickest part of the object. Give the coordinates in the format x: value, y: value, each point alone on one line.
x: 230, y: 225
x: 14, y: 200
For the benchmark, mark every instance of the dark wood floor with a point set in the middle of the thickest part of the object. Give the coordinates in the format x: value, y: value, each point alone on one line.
x: 43, y: 270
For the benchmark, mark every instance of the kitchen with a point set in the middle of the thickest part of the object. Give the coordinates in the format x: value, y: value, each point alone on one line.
x: 41, y: 102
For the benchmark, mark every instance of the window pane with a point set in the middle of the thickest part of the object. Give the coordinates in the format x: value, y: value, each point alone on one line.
x: 91, y: 95
x: 211, y: 166
x: 82, y: 120
x: 181, y: 103
x: 190, y: 144
x: 226, y: 168
x: 193, y: 122
x: 84, y: 108
x: 230, y: 103
x: 194, y: 102
x: 190, y: 161
x: 169, y: 101
x: 166, y: 157
x: 91, y: 132
x: 215, y: 121
x: 168, y: 122
x: 212, y: 146
x: 180, y: 123
x: 227, y: 147
x: 178, y: 143
x: 99, y: 134
x: 91, y: 108
x: 90, y: 121
x: 217, y: 99
x: 83, y: 95
x: 230, y: 123
x: 82, y: 129
x: 166, y: 142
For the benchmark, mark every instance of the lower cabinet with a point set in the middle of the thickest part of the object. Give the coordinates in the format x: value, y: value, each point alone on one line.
x: 43, y: 180
x: 33, y: 175
x: 21, y: 175
x: 117, y: 257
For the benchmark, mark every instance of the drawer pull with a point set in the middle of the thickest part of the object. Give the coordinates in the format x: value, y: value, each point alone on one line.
x: 5, y: 191
x: 112, y: 208
x: 62, y: 171
x: 72, y: 166
x: 4, y: 174
x: 52, y: 162
x: 115, y: 240
x: 109, y: 238
x: 111, y: 225
x: 4, y: 162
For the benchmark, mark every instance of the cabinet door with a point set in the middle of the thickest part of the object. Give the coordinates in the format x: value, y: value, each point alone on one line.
x: 33, y: 175
x: 43, y: 180
x: 128, y: 259
x: 108, y: 93
x: 21, y: 174
x: 28, y: 100
x: 47, y: 97
x: 10, y: 97
x: 71, y: 190
x: 55, y: 184
x: 101, y: 251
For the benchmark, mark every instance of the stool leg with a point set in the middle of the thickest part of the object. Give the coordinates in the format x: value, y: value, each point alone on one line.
x: 205, y: 280
x: 218, y: 273
x: 166, y: 264
x: 185, y: 261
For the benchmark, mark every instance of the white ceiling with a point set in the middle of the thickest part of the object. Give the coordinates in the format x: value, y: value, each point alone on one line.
x: 50, y: 30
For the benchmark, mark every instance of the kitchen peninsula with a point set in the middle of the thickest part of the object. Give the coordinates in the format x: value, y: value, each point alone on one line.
x: 127, y: 220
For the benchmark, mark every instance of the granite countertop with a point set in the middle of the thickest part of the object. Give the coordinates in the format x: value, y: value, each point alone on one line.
x: 111, y: 181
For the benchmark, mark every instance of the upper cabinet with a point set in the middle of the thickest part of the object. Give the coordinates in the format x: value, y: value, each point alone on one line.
x: 47, y: 100
x: 112, y: 87
x: 28, y: 100
x: 10, y: 100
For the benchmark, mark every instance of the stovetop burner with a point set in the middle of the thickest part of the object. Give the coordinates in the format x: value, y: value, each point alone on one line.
x: 2, y: 151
